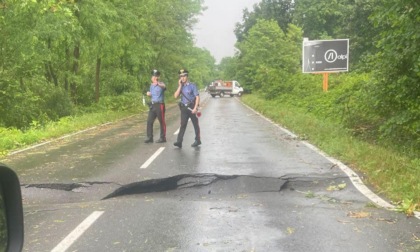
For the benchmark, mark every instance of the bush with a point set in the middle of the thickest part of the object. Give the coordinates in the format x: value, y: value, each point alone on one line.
x: 117, y: 82
x: 57, y: 104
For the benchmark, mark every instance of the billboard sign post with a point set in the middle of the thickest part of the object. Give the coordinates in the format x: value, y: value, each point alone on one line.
x: 325, y: 56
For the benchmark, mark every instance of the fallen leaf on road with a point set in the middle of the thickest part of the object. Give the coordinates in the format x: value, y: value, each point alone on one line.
x: 147, y: 199
x: 342, y: 186
x: 386, y: 220
x: 358, y: 214
x: 337, y: 187
x: 290, y: 230
x: 233, y: 210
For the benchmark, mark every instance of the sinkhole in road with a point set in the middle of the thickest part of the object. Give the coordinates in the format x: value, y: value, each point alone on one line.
x: 207, y: 183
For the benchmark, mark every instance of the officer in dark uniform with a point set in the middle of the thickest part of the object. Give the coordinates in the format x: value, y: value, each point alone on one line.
x: 189, y: 107
x: 157, y: 108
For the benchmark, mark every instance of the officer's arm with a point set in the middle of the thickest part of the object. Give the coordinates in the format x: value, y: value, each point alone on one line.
x: 197, y: 101
x: 162, y: 85
x: 178, y: 91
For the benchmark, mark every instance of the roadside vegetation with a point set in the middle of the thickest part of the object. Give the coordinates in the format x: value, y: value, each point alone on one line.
x: 60, y: 59
x: 389, y: 171
x: 70, y: 65
x: 108, y: 110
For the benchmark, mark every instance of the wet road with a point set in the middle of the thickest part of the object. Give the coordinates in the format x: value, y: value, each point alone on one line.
x: 250, y: 187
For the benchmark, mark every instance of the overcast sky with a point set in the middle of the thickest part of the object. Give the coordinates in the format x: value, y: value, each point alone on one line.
x: 214, y: 31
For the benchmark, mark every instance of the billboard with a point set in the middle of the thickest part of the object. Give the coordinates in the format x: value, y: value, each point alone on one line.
x: 325, y: 56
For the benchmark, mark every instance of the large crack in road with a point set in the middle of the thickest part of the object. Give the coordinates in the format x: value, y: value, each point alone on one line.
x: 203, y: 183
x: 70, y: 187
x: 221, y: 184
x: 211, y: 183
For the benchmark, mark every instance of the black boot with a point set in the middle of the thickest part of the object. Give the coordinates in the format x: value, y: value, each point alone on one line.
x: 196, y: 143
x: 148, y: 140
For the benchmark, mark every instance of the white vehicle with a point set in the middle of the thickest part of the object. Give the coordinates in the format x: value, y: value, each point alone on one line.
x: 222, y: 88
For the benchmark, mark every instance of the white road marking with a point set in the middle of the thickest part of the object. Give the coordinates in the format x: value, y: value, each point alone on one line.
x: 77, y: 232
x: 153, y: 157
x: 354, y: 178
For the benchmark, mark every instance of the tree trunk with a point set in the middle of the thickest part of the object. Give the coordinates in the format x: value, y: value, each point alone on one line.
x: 98, y: 71
x: 76, y: 57
x: 73, y: 84
x: 68, y: 67
x: 50, y: 74
x: 53, y: 75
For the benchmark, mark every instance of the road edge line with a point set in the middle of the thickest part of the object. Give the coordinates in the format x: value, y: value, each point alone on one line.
x: 354, y: 178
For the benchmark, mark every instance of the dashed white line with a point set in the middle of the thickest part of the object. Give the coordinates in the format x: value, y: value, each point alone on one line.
x: 77, y: 232
x: 153, y: 157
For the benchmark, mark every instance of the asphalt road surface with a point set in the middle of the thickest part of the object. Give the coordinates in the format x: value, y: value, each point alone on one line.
x: 251, y: 186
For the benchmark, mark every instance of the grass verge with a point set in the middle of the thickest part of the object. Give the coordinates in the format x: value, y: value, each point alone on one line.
x: 12, y: 139
x: 388, y: 172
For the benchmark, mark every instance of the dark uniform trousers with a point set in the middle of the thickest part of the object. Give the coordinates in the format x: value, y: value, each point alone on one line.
x: 157, y: 110
x: 185, y: 115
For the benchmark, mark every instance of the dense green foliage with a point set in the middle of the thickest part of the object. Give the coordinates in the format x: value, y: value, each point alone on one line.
x: 58, y: 57
x: 396, y: 69
x: 380, y: 100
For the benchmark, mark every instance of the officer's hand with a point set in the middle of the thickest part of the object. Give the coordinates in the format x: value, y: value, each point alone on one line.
x: 148, y: 93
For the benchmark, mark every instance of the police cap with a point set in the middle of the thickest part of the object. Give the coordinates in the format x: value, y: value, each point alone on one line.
x: 183, y: 72
x: 155, y: 72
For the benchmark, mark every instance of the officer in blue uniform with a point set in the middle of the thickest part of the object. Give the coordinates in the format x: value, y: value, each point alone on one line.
x: 190, y: 99
x: 156, y: 108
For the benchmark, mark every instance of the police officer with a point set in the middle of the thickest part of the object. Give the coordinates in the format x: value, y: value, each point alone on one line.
x: 157, y: 108
x: 189, y: 106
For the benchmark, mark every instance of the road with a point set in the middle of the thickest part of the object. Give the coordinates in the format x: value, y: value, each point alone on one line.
x: 251, y: 186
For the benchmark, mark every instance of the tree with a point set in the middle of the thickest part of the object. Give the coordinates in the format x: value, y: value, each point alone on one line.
x: 359, y: 29
x: 396, y: 93
x: 279, y: 10
x: 52, y: 51
x: 320, y: 19
x: 268, y: 56
x: 229, y: 68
